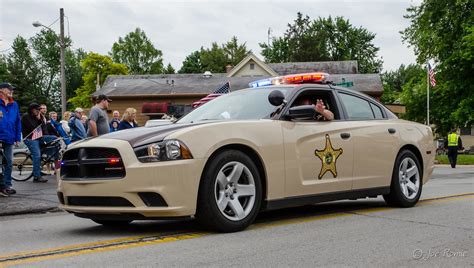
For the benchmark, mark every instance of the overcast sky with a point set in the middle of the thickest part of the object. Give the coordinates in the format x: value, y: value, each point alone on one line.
x: 178, y: 28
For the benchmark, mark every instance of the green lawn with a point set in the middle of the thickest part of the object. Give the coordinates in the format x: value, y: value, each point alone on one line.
x: 463, y: 159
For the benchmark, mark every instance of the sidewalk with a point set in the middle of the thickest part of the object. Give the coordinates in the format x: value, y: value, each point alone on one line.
x: 31, y: 198
x: 41, y: 197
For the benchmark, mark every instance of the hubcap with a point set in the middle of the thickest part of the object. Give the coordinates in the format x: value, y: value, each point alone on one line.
x: 409, y: 178
x: 235, y: 191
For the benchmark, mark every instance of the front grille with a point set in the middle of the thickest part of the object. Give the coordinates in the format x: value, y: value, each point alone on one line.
x: 98, y: 201
x: 92, y: 163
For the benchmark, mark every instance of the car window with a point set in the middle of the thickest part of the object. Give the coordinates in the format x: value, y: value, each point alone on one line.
x: 377, y: 111
x: 238, y: 105
x: 310, y: 97
x: 356, y: 108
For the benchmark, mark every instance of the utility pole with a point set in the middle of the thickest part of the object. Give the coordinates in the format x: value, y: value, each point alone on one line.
x: 62, y: 60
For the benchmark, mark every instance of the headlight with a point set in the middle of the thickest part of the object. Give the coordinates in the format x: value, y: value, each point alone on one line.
x: 163, y: 151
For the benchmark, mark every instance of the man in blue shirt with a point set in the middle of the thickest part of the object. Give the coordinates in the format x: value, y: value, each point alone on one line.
x: 10, y: 135
x: 77, y: 127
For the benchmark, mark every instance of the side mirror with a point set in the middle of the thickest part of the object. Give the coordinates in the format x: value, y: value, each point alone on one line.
x: 301, y: 112
x: 276, y: 98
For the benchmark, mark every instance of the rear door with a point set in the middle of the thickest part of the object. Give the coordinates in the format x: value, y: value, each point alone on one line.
x: 376, y: 141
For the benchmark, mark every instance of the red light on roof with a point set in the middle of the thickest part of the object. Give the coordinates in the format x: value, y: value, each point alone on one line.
x: 306, y: 78
x: 113, y: 160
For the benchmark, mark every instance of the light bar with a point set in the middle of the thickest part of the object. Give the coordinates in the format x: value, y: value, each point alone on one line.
x: 318, y: 77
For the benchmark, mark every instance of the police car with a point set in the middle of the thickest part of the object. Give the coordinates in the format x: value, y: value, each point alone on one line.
x: 250, y: 150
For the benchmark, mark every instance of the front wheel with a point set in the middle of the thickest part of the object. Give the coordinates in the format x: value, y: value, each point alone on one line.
x: 230, y: 193
x: 405, y: 189
x: 22, y: 169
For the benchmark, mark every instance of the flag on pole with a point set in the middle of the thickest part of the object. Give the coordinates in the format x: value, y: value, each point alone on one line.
x: 224, y: 89
x: 37, y: 133
x: 431, y: 75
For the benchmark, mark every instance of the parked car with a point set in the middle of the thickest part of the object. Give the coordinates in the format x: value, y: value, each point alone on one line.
x: 250, y: 150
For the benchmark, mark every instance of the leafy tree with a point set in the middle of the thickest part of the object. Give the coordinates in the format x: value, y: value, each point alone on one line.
x: 324, y: 39
x: 3, y: 68
x: 443, y: 31
x: 393, y: 81
x: 92, y: 65
x: 192, y: 64
x: 24, y: 74
x: 235, y: 53
x: 137, y: 52
x: 74, y: 71
x: 169, y: 69
x: 216, y: 58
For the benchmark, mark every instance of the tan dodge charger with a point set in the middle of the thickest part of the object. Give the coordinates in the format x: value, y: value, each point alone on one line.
x: 254, y: 149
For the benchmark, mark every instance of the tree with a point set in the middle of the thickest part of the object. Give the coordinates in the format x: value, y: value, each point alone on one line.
x: 324, y: 39
x: 95, y: 64
x: 216, y: 58
x: 443, y: 31
x: 137, y: 52
x: 22, y: 72
x: 169, y: 69
x: 394, y: 81
x: 235, y: 53
x: 192, y: 64
x: 74, y: 71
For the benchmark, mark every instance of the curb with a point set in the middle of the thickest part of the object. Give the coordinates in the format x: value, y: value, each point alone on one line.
x: 31, y: 211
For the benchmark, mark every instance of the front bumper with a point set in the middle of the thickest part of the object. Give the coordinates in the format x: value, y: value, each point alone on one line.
x: 177, y: 182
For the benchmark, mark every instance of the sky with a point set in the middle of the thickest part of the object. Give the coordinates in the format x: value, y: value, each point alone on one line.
x: 178, y: 28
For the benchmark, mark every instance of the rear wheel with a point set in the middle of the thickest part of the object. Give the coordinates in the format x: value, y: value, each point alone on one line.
x: 230, y: 193
x: 406, y: 186
x: 22, y: 169
x: 113, y: 223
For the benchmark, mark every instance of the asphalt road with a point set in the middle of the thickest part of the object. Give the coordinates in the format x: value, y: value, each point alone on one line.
x: 439, y: 231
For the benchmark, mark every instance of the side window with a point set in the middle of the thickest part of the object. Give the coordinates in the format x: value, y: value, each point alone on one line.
x: 356, y: 107
x: 377, y: 111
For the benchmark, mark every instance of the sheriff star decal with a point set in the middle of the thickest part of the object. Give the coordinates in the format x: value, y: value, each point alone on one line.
x: 328, y: 158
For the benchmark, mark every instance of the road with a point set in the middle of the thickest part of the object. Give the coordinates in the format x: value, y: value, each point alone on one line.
x: 439, y: 231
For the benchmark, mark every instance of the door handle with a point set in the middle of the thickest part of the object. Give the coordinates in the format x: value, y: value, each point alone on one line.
x: 392, y: 130
x: 345, y: 136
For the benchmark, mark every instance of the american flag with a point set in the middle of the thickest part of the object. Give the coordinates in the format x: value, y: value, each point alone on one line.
x: 37, y: 133
x: 224, y: 89
x: 432, y: 76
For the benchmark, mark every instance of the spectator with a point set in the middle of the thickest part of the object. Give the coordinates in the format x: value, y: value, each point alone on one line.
x: 10, y: 135
x: 115, y: 118
x: 43, y: 111
x: 114, y: 126
x: 98, y: 119
x: 85, y: 122
x: 128, y: 119
x: 58, y: 127
x: 76, y: 125
x: 33, y: 128
x: 65, y: 122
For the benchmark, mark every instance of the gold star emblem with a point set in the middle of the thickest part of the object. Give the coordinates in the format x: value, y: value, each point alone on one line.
x: 328, y: 158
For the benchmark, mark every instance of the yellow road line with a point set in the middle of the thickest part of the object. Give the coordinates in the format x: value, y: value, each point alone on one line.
x: 137, y: 241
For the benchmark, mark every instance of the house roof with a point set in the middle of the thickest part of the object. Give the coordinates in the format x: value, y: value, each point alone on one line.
x: 250, y: 57
x: 169, y: 84
x: 331, y: 67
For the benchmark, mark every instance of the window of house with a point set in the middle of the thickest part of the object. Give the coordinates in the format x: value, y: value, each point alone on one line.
x: 357, y: 108
x: 252, y: 66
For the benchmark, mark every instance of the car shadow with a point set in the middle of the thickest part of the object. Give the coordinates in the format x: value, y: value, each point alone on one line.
x: 189, y: 225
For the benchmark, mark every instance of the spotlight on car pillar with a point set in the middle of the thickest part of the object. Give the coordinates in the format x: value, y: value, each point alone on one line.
x: 276, y: 97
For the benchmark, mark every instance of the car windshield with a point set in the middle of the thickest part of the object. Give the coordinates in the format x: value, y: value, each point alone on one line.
x: 238, y: 105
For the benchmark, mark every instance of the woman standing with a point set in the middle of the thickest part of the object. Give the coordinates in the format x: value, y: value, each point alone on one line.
x: 128, y: 119
x: 65, y: 122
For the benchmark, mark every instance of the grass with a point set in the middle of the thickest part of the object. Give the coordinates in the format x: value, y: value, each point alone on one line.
x: 463, y: 159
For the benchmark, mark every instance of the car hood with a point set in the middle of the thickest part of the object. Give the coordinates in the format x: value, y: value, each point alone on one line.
x: 146, y: 135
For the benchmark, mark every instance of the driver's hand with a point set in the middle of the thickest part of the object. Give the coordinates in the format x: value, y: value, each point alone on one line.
x: 320, y: 106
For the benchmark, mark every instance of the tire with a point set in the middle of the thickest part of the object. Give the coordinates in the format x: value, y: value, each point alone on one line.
x: 113, y: 223
x: 22, y: 168
x: 227, y: 201
x: 407, y: 184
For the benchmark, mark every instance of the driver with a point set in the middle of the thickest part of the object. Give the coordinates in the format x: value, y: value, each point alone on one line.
x: 323, y: 114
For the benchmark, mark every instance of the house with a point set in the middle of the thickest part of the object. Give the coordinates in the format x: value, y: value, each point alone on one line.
x: 154, y: 95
